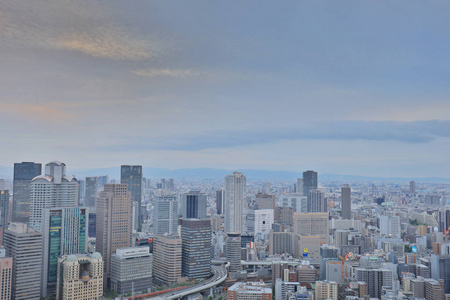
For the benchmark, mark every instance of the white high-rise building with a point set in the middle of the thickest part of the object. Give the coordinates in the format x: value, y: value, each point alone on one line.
x: 259, y: 222
x: 166, y: 214
x: 54, y: 189
x: 235, y: 186
x: 298, y: 202
x: 390, y: 226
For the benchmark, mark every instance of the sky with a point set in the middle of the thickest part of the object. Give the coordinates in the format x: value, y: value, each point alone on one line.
x: 343, y: 87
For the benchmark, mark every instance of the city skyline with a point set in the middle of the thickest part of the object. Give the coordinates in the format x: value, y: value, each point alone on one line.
x: 349, y: 88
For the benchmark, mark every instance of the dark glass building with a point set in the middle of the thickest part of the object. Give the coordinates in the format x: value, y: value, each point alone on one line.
x: 92, y: 224
x: 4, y: 211
x: 196, y: 248
x: 309, y: 183
x: 23, y: 174
x: 193, y: 205
x: 132, y: 175
x: 91, y: 191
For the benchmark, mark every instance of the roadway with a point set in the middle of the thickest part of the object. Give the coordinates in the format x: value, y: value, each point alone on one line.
x: 219, y: 276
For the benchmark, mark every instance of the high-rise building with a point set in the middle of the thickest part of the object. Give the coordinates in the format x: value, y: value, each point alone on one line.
x: 23, y: 174
x: 6, y: 267
x: 193, y: 205
x: 412, y: 187
x: 196, y: 248
x: 259, y: 222
x: 167, y: 256
x: 132, y: 176
x: 311, y: 224
x: 102, y: 180
x: 131, y: 270
x: 220, y: 201
x: 376, y: 279
x: 390, y: 226
x: 81, y: 191
x: 317, y: 202
x: 91, y: 191
x: 233, y: 251
x: 309, y: 183
x: 80, y: 276
x: 64, y: 232
x: 235, y: 189
x: 114, y: 222
x: 346, y: 202
x: 298, y: 202
x: 299, y: 187
x: 54, y: 189
x: 280, y: 242
x: 166, y: 214
x: 24, y: 246
x: 264, y: 201
x: 326, y: 290
x: 4, y: 212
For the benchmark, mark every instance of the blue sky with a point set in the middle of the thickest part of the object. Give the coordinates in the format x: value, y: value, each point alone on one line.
x: 348, y: 87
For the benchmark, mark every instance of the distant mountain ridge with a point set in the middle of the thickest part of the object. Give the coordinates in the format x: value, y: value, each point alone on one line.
x: 215, y: 174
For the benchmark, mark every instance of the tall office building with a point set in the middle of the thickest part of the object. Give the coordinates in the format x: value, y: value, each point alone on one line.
x: 220, y: 201
x: 131, y: 270
x: 4, y: 212
x: 132, y: 175
x: 193, y: 205
x: 376, y: 279
x: 412, y: 187
x: 299, y: 187
x: 233, y: 251
x: 80, y: 276
x: 311, y: 224
x: 316, y: 202
x: 309, y: 183
x: 91, y: 191
x: 166, y: 214
x: 326, y: 290
x: 346, y: 202
x: 81, y: 191
x: 298, y: 202
x: 64, y: 232
x: 196, y: 248
x: 6, y: 264
x: 235, y: 189
x: 114, y: 222
x: 54, y: 189
x: 23, y: 174
x: 264, y: 201
x: 167, y: 256
x: 24, y: 246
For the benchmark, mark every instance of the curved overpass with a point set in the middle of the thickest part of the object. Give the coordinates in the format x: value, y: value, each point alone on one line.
x: 219, y: 276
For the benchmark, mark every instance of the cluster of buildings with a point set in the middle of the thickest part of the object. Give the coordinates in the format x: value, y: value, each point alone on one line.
x: 64, y: 238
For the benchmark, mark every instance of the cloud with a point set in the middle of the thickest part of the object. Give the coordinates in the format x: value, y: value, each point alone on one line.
x: 178, y: 73
x: 44, y: 113
x: 90, y: 27
x: 402, y: 132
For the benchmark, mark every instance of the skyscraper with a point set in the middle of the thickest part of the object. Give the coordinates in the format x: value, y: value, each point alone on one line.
x: 167, y: 258
x: 132, y: 175
x: 24, y: 245
x: 196, y: 248
x: 64, y: 232
x: 220, y: 201
x: 235, y: 189
x: 4, y: 212
x: 91, y: 191
x: 309, y: 183
x: 299, y: 187
x: 23, y: 174
x: 6, y: 264
x: 412, y: 187
x: 54, y: 189
x: 317, y: 201
x: 114, y: 222
x: 346, y: 203
x: 80, y: 276
x: 166, y: 214
x: 233, y: 251
x: 193, y: 205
